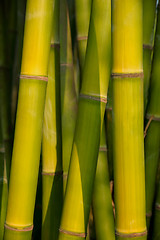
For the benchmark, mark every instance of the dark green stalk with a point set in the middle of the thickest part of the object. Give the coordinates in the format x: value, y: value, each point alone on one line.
x: 68, y: 92
x: 156, y: 220
x: 152, y: 139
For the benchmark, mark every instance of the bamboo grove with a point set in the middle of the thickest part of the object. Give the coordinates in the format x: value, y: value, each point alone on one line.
x: 79, y: 120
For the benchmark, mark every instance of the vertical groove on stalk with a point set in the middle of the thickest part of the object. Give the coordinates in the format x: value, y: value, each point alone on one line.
x: 128, y: 142
x: 52, y: 175
x: 68, y: 93
x: 152, y: 139
x: 28, y: 130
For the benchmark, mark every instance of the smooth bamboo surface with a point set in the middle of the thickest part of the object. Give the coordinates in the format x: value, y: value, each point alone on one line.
x: 28, y: 131
x: 152, y: 140
x: 52, y: 175
x: 83, y: 12
x: 68, y: 92
x: 92, y: 102
x: 128, y: 142
x: 149, y: 20
x: 102, y: 201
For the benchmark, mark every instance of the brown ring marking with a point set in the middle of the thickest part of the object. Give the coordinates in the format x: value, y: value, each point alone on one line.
x: 99, y: 99
x: 102, y: 149
x: 66, y: 64
x: 59, y: 173
x: 2, y: 150
x: 42, y: 78
x: 108, y: 108
x: 55, y: 45
x: 26, y: 229
x: 147, y: 46
x: 149, y: 214
x: 154, y: 118
x: 131, y: 235
x: 127, y: 75
x: 157, y: 206
x: 81, y: 38
x: 83, y: 235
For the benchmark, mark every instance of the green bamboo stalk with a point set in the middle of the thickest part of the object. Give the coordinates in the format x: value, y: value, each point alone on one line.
x: 51, y: 145
x: 3, y: 186
x: 92, y: 102
x: 156, y: 221
x: 152, y: 139
x: 109, y: 132
x: 68, y: 92
x: 102, y: 202
x: 27, y: 140
x: 128, y: 139
x: 83, y: 11
x: 149, y: 20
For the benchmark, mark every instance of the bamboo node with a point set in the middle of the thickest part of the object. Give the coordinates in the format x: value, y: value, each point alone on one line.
x: 154, y: 118
x: 58, y: 173
x: 83, y: 235
x: 157, y: 206
x: 55, y: 45
x: 103, y: 149
x: 128, y: 75
x: 65, y: 175
x: 98, y: 98
x: 81, y: 38
x: 148, y: 124
x: 147, y: 46
x: 131, y: 235
x: 26, y: 229
x: 108, y: 108
x: 41, y: 78
x: 2, y: 150
x: 67, y: 65
x: 3, y: 180
x: 149, y: 214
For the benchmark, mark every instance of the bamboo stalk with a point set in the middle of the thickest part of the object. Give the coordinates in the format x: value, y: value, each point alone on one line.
x: 152, y: 140
x: 83, y: 11
x: 102, y: 202
x: 27, y: 140
x: 128, y: 142
x: 149, y: 20
x: 68, y: 92
x: 156, y: 222
x: 92, y: 102
x: 51, y: 145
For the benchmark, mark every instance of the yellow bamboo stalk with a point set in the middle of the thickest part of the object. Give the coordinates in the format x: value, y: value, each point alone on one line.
x: 28, y: 131
x: 129, y: 179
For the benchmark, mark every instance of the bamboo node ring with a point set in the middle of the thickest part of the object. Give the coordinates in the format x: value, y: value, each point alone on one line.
x: 148, y: 124
x: 81, y: 38
x: 41, y: 78
x: 154, y: 118
x: 103, y: 149
x: 128, y: 75
x: 157, y: 207
x: 58, y: 173
x: 67, y: 65
x: 2, y: 150
x: 55, y: 45
x: 149, y: 214
x: 147, y: 46
x: 131, y: 235
x: 83, y: 235
x: 26, y: 229
x: 98, y: 98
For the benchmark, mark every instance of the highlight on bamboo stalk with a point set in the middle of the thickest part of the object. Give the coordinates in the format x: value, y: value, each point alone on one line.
x: 149, y: 20
x: 152, y: 139
x: 68, y: 93
x: 52, y: 174
x: 27, y: 139
x: 92, y: 102
x: 128, y: 141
